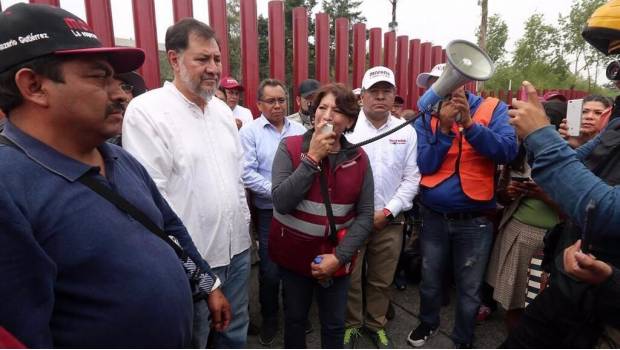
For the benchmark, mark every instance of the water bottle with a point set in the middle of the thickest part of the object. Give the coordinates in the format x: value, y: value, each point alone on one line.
x: 326, y: 283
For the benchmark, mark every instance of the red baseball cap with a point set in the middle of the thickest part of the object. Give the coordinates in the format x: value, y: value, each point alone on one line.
x: 231, y: 83
x: 550, y: 95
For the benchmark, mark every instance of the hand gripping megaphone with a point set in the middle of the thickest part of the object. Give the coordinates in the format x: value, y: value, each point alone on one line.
x: 466, y: 62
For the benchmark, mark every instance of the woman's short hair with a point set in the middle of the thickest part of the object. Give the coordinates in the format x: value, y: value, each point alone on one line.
x: 606, y: 101
x: 346, y: 101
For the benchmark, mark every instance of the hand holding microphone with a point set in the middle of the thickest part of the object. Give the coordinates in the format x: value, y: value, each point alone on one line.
x: 322, y: 141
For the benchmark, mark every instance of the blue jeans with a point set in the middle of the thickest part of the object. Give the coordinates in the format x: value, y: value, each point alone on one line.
x: 332, y: 303
x: 235, y: 279
x: 269, y: 281
x: 469, y: 242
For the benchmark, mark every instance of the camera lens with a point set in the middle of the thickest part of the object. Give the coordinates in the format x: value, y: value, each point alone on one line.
x: 613, y: 70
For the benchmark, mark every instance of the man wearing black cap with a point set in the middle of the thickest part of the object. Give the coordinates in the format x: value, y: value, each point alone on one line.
x: 307, y: 89
x: 76, y: 270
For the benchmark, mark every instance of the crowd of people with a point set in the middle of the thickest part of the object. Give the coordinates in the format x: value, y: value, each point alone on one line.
x: 129, y: 217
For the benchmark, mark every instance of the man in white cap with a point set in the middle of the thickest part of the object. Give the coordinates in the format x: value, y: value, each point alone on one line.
x: 396, y: 179
x: 459, y: 147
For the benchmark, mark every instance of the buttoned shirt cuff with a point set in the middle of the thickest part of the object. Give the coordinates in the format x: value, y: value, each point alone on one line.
x: 395, y: 207
x: 216, y: 284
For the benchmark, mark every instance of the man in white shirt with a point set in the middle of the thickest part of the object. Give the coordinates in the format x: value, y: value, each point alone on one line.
x: 396, y: 177
x: 232, y: 92
x: 188, y: 142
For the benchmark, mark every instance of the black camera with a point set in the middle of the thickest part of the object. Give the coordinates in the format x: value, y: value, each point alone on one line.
x: 613, y: 70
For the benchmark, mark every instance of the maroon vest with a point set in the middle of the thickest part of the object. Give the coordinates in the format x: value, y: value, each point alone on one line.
x: 303, y: 233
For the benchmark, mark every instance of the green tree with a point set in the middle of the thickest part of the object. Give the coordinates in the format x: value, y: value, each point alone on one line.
x: 348, y: 9
x: 497, y: 35
x: 585, y: 57
x: 234, y: 38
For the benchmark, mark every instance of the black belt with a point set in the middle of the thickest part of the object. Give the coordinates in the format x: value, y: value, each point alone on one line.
x: 460, y: 216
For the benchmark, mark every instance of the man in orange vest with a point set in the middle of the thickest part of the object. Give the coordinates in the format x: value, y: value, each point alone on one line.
x: 459, y: 148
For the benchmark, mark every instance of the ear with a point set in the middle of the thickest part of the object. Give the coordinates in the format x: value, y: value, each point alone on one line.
x: 298, y: 100
x: 259, y: 106
x: 32, y: 87
x: 174, y: 59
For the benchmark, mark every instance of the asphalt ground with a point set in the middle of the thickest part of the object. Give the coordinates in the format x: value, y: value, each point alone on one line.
x: 488, y: 334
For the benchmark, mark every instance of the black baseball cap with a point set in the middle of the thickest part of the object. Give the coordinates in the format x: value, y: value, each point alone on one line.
x: 308, y: 87
x: 29, y: 31
x: 134, y: 79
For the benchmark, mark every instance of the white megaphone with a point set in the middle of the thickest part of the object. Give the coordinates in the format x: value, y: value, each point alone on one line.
x: 466, y: 62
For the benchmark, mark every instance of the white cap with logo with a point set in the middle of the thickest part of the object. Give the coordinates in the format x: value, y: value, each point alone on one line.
x: 423, y: 78
x: 377, y: 74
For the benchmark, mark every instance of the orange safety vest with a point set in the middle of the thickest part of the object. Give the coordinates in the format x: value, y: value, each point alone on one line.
x: 475, y: 171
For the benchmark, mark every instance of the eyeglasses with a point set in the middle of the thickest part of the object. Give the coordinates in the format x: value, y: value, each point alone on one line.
x: 126, y: 87
x: 273, y: 101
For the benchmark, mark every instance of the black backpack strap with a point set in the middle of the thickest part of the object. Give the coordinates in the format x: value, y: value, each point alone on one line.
x: 125, y: 206
x: 328, y: 206
x: 120, y: 202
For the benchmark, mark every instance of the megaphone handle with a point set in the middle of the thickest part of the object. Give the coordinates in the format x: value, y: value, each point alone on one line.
x: 458, y: 118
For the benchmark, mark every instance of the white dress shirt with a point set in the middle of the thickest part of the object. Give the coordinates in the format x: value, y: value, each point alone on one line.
x: 243, y: 114
x: 393, y: 160
x: 196, y: 160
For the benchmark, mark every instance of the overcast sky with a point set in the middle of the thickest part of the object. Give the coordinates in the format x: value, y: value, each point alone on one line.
x: 438, y: 21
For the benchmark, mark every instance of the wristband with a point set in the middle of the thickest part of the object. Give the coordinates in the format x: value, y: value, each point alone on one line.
x: 388, y: 214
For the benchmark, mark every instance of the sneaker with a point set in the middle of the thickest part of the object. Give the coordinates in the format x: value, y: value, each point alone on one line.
x: 381, y: 339
x: 391, y: 313
x: 308, y: 328
x: 483, y: 313
x: 418, y: 336
x: 268, y: 331
x: 351, y: 336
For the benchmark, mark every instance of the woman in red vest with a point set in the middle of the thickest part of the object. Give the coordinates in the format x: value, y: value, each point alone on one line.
x: 300, y: 228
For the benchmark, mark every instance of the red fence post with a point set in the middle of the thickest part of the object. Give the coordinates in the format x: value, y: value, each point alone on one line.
x: 218, y: 20
x: 500, y: 95
x: 415, y: 67
x: 425, y: 61
x: 146, y: 39
x: 359, y: 54
x: 277, y: 67
x: 46, y: 2
x: 342, y: 50
x: 322, y: 47
x: 99, y: 16
x: 389, y: 50
x: 402, y: 68
x: 300, y: 48
x: 444, y: 56
x: 182, y: 9
x: 375, y: 47
x: 436, y: 55
x: 249, y: 52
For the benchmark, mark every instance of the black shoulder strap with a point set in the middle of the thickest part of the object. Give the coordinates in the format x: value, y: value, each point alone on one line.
x: 125, y: 206
x: 328, y: 206
x: 120, y: 202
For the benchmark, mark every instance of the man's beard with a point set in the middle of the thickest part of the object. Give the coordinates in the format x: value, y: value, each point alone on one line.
x: 195, y: 87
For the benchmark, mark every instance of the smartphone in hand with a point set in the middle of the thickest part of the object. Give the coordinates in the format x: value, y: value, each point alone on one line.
x: 573, y: 116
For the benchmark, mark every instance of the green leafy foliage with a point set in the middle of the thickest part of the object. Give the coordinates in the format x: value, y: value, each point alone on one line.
x: 549, y: 56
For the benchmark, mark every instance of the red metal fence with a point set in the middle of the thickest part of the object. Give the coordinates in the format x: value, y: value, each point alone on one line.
x: 407, y: 56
